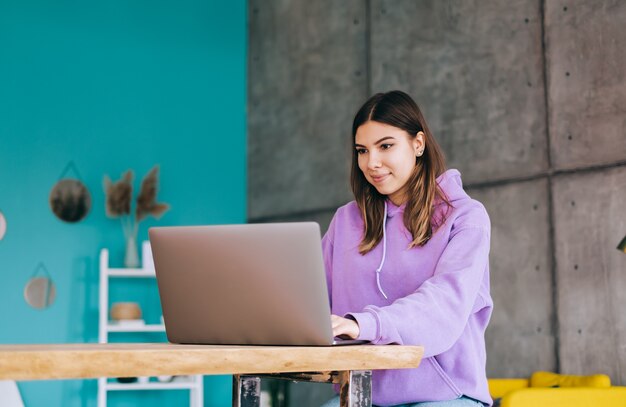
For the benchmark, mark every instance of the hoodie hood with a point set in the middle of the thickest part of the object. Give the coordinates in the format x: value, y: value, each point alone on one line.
x: 449, y: 182
x: 451, y: 185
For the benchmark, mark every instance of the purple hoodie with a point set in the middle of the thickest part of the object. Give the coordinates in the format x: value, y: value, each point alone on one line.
x: 437, y: 296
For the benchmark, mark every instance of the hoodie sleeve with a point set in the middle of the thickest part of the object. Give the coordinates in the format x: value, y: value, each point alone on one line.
x: 435, y: 314
x: 327, y: 252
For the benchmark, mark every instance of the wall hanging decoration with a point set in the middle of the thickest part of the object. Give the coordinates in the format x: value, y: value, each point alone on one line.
x: 119, y: 205
x: 3, y: 225
x: 69, y: 199
x: 40, y: 291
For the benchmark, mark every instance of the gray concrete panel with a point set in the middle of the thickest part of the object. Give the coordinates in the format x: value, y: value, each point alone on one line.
x: 586, y: 71
x: 307, y: 78
x: 520, y: 337
x: 475, y: 68
x: 322, y: 218
x: 591, y: 273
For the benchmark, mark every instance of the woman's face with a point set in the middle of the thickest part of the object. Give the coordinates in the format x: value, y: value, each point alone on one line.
x: 386, y: 157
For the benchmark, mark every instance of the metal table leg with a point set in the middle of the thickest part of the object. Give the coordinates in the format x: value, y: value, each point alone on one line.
x: 246, y: 391
x: 355, y: 388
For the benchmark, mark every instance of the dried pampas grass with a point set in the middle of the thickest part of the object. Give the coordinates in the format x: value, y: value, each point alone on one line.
x: 119, y: 199
x: 146, y: 200
x: 119, y: 195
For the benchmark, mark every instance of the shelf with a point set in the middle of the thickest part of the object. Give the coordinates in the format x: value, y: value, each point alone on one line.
x: 135, y: 328
x: 127, y: 272
x: 107, y: 327
x: 187, y: 384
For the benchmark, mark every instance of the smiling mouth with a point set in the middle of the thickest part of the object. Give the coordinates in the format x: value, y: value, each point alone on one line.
x: 379, y: 178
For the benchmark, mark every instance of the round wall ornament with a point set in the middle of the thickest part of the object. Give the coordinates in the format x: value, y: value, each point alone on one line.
x: 70, y: 199
x: 3, y: 225
x: 40, y: 291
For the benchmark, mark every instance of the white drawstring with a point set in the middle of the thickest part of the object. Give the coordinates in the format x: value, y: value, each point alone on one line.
x: 382, y: 262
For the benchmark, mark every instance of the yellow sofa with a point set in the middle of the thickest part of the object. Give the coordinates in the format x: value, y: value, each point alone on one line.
x: 545, y: 389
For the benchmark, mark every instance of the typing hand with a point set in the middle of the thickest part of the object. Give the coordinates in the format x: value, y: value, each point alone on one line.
x: 344, y: 327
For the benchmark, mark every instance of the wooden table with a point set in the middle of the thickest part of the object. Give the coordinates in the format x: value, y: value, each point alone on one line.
x: 348, y: 366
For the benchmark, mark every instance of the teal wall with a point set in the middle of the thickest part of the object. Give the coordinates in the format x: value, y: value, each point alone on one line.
x: 112, y: 85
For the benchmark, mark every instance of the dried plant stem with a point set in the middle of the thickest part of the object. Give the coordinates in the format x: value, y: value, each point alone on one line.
x: 129, y: 226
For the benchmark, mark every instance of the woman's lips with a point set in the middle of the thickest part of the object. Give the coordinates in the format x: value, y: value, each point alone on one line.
x: 379, y: 178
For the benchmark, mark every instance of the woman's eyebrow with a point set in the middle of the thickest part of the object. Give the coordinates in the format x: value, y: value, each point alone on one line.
x: 376, y: 143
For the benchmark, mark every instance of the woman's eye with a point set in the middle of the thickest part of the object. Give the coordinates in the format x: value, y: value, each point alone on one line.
x: 360, y: 151
x: 385, y: 146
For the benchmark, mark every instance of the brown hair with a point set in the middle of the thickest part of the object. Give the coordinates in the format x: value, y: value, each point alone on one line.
x: 397, y: 109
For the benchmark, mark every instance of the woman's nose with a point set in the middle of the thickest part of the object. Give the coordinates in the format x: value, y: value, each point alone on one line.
x: 373, y: 162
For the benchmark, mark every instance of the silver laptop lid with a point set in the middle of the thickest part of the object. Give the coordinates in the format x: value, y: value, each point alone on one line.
x: 257, y: 284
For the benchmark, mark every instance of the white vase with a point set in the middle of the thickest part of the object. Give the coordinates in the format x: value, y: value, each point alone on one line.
x: 131, y: 258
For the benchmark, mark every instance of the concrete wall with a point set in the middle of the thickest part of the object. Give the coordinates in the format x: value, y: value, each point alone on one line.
x: 528, y: 100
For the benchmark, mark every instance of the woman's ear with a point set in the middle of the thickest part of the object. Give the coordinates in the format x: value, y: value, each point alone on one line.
x: 419, y: 143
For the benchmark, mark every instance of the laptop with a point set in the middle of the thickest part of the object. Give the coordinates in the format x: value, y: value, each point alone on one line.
x: 252, y: 284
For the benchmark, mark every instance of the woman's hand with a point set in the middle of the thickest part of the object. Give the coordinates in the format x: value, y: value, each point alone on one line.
x: 344, y: 327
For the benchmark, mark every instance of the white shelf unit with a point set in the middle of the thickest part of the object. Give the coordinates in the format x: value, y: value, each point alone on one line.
x: 106, y: 327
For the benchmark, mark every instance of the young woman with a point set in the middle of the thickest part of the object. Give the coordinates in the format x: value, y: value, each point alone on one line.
x: 407, y: 261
